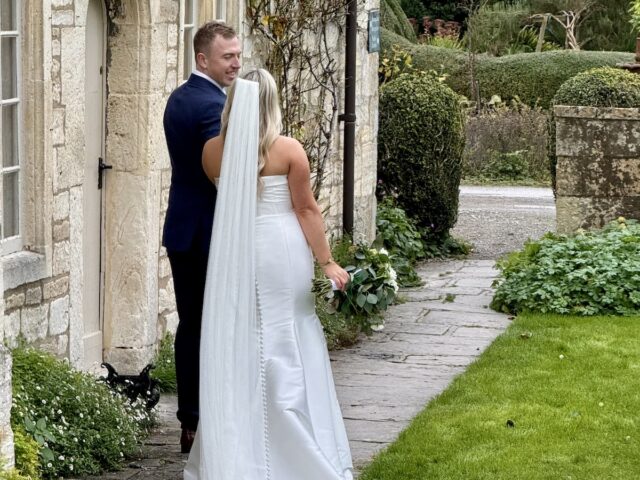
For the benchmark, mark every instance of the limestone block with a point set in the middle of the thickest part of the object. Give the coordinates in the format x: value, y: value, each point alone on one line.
x: 172, y: 59
x: 164, y: 267
x: 72, y: 65
x: 157, y: 145
x: 57, y: 129
x: 172, y: 38
x: 167, y: 298
x: 15, y: 299
x: 584, y: 137
x: 57, y: 346
x: 61, y: 3
x: 61, y: 257
x: 123, y: 137
x: 172, y: 320
x: 158, y: 61
x: 62, y: 18
x: 34, y: 295
x: 12, y: 328
x: 165, y: 11
x: 171, y: 82
x: 125, y: 58
x: 33, y: 322
x: 6, y: 435
x: 70, y: 158
x: 598, y: 177
x: 61, y: 206
x: 131, y: 274
x: 61, y: 231
x: 587, y: 212
x: 129, y: 361
x: 59, y: 316
x: 55, y: 287
x: 55, y: 47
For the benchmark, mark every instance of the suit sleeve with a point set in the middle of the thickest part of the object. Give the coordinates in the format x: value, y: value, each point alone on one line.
x: 210, y: 121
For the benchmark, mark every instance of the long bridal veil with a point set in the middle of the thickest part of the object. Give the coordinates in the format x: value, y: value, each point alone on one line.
x: 232, y: 396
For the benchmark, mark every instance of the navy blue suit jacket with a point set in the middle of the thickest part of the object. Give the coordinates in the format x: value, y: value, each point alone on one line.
x: 192, y: 117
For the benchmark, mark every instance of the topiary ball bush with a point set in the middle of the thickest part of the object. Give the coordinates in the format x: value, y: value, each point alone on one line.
x: 599, y: 87
x: 420, y: 144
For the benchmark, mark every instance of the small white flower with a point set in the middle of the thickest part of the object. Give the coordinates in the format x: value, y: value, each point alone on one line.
x: 61, y: 457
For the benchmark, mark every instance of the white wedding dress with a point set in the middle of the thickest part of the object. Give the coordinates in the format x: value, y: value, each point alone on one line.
x: 268, y: 406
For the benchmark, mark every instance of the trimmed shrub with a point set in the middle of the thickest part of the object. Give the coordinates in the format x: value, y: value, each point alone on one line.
x: 393, y: 18
x: 420, y: 143
x: 533, y: 78
x: 600, y: 87
x: 590, y: 273
x: 494, y: 28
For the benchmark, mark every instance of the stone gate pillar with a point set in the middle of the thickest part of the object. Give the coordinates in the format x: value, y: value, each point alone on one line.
x: 598, y: 170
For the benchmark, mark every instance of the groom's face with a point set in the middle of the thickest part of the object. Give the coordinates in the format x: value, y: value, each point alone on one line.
x: 222, y: 62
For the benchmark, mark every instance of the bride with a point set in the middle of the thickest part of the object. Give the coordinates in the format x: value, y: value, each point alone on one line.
x: 268, y: 406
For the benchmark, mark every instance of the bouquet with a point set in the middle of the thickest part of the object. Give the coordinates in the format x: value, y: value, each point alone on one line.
x: 371, y: 289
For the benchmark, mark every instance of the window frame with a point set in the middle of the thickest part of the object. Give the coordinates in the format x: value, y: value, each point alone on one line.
x: 14, y: 243
x: 188, y: 59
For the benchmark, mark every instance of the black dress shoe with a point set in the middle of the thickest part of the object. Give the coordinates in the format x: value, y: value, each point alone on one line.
x: 186, y: 440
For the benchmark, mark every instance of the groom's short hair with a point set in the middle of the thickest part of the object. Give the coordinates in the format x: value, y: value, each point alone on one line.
x: 207, y: 32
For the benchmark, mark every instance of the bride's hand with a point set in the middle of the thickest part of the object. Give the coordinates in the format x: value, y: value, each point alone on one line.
x: 336, y: 273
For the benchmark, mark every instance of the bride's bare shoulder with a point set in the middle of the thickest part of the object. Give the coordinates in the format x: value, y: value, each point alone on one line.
x: 211, y: 157
x: 291, y: 146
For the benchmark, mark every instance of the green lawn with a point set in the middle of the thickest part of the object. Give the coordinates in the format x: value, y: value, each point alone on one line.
x: 555, y: 397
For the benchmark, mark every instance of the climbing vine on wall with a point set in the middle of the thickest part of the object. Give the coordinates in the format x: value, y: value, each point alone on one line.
x: 300, y: 41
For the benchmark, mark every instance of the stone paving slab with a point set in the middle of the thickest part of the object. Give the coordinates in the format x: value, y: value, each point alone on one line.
x: 387, y: 378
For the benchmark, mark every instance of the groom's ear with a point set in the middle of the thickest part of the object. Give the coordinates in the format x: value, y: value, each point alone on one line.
x: 201, y: 60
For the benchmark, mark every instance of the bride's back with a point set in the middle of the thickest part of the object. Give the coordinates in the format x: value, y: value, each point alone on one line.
x: 278, y: 163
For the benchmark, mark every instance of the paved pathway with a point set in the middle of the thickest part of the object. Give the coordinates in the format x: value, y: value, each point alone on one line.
x: 385, y: 380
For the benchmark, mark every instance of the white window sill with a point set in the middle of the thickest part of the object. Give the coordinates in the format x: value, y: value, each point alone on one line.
x: 23, y: 267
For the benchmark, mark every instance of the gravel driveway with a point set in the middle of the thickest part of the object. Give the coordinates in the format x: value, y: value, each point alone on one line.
x: 498, y: 220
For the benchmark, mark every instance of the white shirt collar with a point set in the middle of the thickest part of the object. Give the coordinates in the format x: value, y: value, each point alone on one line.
x: 207, y: 77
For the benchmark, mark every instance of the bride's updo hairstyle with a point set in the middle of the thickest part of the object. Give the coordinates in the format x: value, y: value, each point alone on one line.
x: 270, y: 114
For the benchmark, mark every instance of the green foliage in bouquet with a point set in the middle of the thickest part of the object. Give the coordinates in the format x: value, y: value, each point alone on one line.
x: 80, y: 425
x: 589, y: 273
x: 372, y: 288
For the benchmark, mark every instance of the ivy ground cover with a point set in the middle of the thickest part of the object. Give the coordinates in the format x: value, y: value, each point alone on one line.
x: 553, y: 397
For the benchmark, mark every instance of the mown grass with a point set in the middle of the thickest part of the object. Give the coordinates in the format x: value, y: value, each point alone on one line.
x: 555, y: 397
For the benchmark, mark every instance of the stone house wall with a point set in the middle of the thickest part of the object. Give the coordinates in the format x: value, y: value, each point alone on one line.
x: 598, y: 169
x: 43, y: 283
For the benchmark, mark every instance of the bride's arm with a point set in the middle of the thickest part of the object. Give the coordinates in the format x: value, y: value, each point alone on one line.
x: 309, y: 214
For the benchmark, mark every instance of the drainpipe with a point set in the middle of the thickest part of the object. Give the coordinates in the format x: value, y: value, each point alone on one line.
x: 349, y: 116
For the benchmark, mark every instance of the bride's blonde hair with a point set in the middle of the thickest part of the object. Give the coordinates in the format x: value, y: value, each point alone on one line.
x: 269, y: 108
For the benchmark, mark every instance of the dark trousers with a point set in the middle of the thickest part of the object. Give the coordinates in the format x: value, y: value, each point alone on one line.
x: 189, y: 269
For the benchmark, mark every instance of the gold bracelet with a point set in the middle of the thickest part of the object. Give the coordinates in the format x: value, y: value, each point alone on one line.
x: 331, y: 260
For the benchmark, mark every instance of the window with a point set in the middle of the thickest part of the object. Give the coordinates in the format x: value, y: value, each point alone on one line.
x: 220, y: 9
x: 9, y: 125
x: 189, y: 28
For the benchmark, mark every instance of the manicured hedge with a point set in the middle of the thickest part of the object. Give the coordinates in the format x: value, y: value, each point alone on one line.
x: 420, y: 143
x: 532, y: 77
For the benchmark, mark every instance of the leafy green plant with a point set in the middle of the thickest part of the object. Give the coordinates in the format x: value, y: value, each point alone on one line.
x: 27, y: 453
x: 393, y: 18
x: 165, y: 364
x: 444, y: 42
x: 393, y: 63
x: 399, y: 235
x: 81, y: 426
x: 589, y: 273
x: 634, y: 10
x: 14, y: 474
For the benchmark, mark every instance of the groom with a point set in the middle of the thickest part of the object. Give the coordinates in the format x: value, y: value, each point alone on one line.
x: 192, y: 117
